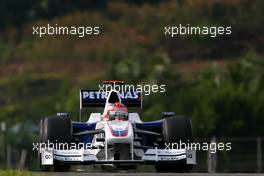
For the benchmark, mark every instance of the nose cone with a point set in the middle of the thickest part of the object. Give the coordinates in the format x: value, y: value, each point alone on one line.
x: 118, y: 132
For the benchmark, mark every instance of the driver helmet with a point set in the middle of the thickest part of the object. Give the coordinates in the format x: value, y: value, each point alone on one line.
x: 119, y: 112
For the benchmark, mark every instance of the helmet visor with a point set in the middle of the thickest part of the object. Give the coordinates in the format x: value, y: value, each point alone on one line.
x: 118, y: 116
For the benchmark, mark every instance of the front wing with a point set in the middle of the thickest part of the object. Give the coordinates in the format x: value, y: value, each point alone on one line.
x: 84, y: 156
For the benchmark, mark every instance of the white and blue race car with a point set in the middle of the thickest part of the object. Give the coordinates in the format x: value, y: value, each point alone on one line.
x: 122, y: 142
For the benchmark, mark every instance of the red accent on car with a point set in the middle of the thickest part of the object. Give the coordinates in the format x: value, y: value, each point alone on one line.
x: 113, y: 131
x: 113, y: 82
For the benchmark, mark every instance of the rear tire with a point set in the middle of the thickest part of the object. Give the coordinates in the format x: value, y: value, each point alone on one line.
x: 55, y: 130
x: 176, y: 130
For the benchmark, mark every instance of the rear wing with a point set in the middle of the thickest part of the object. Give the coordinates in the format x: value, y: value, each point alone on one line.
x: 95, y: 98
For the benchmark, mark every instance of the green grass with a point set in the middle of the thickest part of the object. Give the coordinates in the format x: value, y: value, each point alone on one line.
x: 15, y: 173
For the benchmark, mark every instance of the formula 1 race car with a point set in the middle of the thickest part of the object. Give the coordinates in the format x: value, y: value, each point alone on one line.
x: 116, y: 138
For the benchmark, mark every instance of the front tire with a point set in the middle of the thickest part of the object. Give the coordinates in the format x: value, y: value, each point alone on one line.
x: 176, y: 130
x: 55, y: 130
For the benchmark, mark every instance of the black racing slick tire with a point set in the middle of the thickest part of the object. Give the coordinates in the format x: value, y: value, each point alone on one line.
x: 55, y: 130
x: 176, y: 130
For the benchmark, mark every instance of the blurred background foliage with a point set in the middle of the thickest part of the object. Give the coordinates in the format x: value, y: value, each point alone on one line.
x: 218, y: 82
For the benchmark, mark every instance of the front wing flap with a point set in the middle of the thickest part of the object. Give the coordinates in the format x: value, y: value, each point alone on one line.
x: 170, y: 155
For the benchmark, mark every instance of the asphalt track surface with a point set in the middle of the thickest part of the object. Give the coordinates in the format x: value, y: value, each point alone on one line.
x: 147, y: 171
x: 144, y: 174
